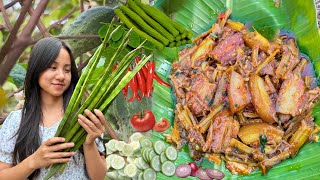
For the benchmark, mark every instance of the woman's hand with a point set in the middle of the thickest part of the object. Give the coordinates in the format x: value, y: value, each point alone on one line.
x: 94, y: 126
x: 48, y: 153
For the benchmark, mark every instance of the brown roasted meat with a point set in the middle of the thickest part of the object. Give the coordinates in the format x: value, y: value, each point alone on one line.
x: 243, y: 99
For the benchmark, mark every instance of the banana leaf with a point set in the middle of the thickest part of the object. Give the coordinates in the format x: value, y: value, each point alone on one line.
x: 296, y: 17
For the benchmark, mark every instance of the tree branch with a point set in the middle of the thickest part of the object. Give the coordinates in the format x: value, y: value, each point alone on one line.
x: 40, y: 25
x: 2, y: 28
x: 10, y: 4
x: 81, y: 6
x: 82, y: 65
x: 5, y: 16
x: 27, y: 31
x: 22, y: 42
x: 73, y: 10
x: 13, y: 34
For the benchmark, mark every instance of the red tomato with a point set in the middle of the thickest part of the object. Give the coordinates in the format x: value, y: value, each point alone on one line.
x: 162, y: 125
x: 143, y: 121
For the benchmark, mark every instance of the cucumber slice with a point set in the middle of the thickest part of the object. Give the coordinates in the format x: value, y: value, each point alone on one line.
x: 168, y: 168
x: 149, y: 174
x: 143, y: 164
x: 111, y: 145
x: 112, y: 175
x: 171, y: 153
x: 130, y: 170
x: 145, y: 154
x: 159, y: 147
x: 109, y: 159
x: 121, y: 154
x: 137, y: 153
x: 140, y: 176
x: 163, y: 157
x: 119, y: 145
x: 151, y: 155
x: 145, y: 142
x: 121, y: 172
x: 135, y: 145
x: 117, y: 162
x: 136, y: 162
x: 130, y: 159
x: 135, y: 137
x: 127, y: 150
x: 108, y: 151
x: 122, y: 177
x: 155, y: 163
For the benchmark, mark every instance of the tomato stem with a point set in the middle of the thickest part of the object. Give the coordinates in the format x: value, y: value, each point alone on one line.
x: 141, y: 114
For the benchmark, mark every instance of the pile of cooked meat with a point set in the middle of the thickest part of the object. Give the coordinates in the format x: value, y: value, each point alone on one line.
x: 243, y: 99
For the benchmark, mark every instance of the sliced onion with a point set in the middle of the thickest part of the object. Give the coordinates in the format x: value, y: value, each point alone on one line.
x: 215, y: 173
x: 183, y: 170
x: 194, y: 168
x: 202, y: 174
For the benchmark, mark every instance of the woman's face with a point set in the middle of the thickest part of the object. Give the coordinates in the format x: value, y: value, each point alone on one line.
x: 56, y: 79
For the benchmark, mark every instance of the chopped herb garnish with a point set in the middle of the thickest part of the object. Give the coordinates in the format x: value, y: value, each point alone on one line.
x: 263, y: 140
x: 214, y: 35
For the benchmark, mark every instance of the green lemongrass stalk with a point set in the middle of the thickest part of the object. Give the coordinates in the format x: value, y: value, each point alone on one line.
x: 77, y: 93
x: 102, y: 88
x: 79, y: 90
x: 115, y: 78
x: 97, y: 88
x: 60, y: 167
x: 83, y: 87
x: 122, y: 83
x: 116, y: 75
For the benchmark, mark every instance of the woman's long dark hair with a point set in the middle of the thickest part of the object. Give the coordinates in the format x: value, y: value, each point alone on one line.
x: 43, y: 54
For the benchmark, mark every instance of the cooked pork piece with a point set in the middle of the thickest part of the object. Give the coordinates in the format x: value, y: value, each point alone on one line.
x: 224, y: 128
x: 290, y: 92
x: 221, y: 93
x: 199, y: 98
x: 226, y: 51
x: 180, y: 82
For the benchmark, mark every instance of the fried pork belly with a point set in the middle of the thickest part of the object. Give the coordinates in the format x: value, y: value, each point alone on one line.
x: 226, y: 51
x: 199, y: 98
x: 224, y: 128
x: 290, y: 92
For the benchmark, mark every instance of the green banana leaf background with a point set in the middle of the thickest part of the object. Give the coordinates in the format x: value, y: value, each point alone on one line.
x: 297, y: 17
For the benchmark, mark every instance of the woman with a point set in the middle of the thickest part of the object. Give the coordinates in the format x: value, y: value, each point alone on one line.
x: 27, y: 142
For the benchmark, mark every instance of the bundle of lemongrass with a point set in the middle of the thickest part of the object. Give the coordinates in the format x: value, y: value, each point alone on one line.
x: 102, y: 94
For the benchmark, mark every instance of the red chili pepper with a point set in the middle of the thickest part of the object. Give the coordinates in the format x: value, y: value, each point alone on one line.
x: 134, y: 88
x: 221, y: 16
x: 142, y: 83
x: 145, y: 71
x: 151, y: 66
x: 125, y: 89
x: 159, y: 80
x: 144, y: 68
x: 114, y: 67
